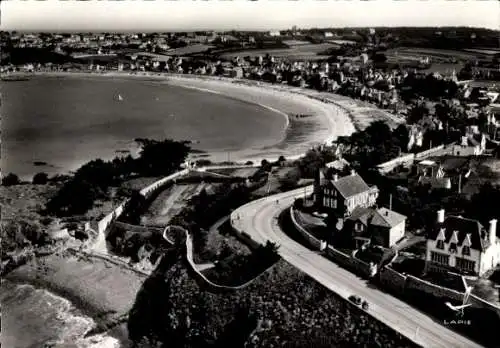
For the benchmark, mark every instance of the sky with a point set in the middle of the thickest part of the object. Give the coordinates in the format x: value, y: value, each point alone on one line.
x: 168, y: 15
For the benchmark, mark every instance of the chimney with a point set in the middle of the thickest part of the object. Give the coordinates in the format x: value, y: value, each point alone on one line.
x: 440, y: 216
x: 335, y: 177
x: 493, y: 231
x: 353, y: 172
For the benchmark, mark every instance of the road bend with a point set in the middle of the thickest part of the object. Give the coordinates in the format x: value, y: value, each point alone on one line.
x: 259, y: 219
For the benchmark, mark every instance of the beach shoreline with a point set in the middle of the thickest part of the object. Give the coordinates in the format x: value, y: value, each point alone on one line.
x: 332, y: 120
x: 84, y: 281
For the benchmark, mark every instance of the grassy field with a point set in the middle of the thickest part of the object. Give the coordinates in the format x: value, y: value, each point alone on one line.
x: 301, y: 51
x: 170, y: 202
x: 407, y: 52
x: 191, y: 49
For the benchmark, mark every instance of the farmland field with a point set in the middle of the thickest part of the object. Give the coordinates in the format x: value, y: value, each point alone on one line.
x: 191, y: 49
x: 301, y: 51
x: 432, y: 53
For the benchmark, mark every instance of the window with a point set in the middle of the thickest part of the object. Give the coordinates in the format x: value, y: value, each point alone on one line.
x: 359, y: 227
x: 440, y: 258
x: 466, y: 250
x: 335, y: 203
x: 453, y: 247
x: 465, y: 265
x: 440, y: 244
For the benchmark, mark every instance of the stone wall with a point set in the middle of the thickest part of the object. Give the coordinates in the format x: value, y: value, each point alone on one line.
x: 409, y: 159
x: 309, y: 238
x: 392, y: 279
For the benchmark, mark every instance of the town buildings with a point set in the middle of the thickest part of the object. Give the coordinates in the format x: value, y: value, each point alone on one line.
x: 462, y: 245
x: 374, y: 226
x: 342, y: 195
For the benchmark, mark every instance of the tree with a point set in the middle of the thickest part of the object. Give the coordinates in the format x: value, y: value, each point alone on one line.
x: 10, y: 179
x: 40, y: 179
x: 379, y: 58
x: 161, y: 157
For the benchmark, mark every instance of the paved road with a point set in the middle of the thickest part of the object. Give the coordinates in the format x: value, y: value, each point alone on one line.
x: 259, y: 220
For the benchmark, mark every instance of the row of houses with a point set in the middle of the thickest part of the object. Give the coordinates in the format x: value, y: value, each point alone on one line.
x: 454, y: 243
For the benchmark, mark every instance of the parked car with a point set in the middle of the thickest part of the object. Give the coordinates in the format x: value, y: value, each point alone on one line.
x: 355, y: 299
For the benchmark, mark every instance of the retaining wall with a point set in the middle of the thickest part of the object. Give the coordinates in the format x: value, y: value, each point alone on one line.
x: 409, y: 159
x: 400, y: 283
x: 347, y: 261
x: 392, y: 279
x: 310, y: 239
x: 203, y: 279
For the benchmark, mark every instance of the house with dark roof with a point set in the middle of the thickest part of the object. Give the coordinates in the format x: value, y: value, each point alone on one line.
x: 343, y: 195
x: 374, y: 226
x: 462, y: 245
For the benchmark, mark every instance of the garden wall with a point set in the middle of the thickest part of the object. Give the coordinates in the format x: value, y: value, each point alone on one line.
x: 310, y: 239
x: 347, y: 261
x: 392, y: 279
x: 212, y: 287
x: 409, y: 159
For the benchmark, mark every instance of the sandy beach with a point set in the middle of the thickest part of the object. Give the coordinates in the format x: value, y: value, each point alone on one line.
x: 332, y: 119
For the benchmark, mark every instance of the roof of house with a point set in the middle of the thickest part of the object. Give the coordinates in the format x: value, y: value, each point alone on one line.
x: 448, y: 162
x: 444, y: 183
x: 350, y: 185
x: 463, y: 226
x: 387, y: 218
x: 361, y: 214
x: 339, y: 164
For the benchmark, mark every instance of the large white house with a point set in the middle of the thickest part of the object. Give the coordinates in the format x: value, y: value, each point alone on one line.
x: 464, y: 245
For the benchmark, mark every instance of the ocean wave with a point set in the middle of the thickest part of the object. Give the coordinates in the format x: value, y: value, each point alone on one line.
x: 33, y: 317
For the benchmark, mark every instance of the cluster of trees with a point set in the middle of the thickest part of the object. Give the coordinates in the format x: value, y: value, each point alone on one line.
x: 378, y: 143
x: 205, y: 209
x: 420, y: 204
x: 430, y: 87
x: 281, y: 307
x: 238, y: 269
x: 92, y: 180
x: 17, y: 234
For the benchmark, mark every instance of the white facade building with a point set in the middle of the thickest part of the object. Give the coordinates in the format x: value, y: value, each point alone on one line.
x: 463, y: 245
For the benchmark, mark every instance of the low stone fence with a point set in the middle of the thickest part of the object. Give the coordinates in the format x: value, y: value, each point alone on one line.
x: 310, y: 239
x: 430, y: 152
x: 392, y: 279
x: 410, y: 158
x: 346, y: 261
x: 147, y: 191
x: 388, y: 166
x: 212, y: 287
x: 432, y: 289
x: 400, y: 283
x: 137, y: 228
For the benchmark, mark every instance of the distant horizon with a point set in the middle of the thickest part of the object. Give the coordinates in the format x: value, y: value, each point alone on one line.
x: 242, y: 30
x: 241, y: 15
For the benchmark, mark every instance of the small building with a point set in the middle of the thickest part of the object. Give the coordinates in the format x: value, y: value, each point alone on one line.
x: 381, y: 226
x: 343, y: 195
x: 462, y: 245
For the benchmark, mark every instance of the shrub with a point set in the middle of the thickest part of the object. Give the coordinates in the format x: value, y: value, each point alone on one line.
x: 10, y: 180
x: 40, y: 179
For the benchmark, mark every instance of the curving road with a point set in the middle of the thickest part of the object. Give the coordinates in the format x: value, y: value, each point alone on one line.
x: 259, y: 219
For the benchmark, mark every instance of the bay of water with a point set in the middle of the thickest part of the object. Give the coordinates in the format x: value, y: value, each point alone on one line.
x: 67, y: 121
